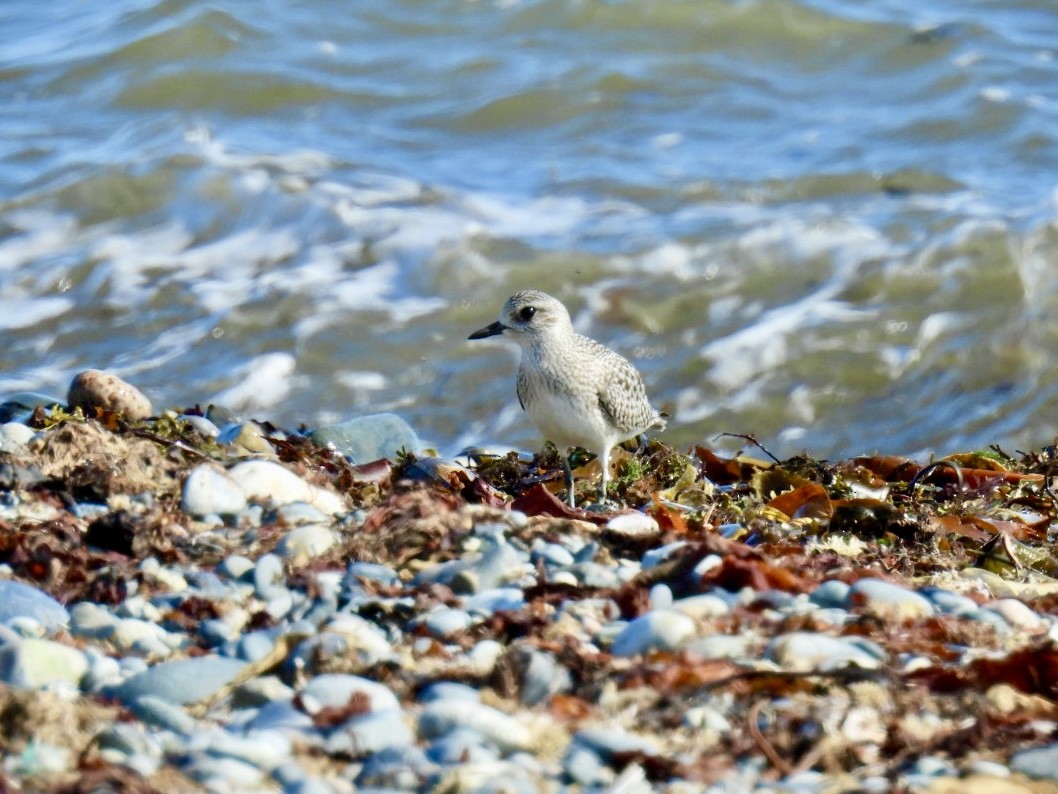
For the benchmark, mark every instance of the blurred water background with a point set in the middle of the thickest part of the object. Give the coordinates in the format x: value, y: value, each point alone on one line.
x: 830, y: 223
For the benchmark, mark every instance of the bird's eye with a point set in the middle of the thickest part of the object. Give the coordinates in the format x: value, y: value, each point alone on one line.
x: 527, y: 312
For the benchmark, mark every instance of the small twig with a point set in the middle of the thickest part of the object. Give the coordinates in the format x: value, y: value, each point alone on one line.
x: 765, y: 746
x: 752, y: 439
x: 169, y: 442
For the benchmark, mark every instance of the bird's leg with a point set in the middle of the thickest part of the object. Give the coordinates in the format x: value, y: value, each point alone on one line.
x: 604, y: 462
x: 641, y: 443
x: 568, y: 469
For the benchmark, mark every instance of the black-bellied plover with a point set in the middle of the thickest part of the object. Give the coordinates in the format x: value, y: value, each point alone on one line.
x: 577, y: 392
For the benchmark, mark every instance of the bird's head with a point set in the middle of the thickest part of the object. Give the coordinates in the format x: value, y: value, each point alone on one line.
x: 528, y: 316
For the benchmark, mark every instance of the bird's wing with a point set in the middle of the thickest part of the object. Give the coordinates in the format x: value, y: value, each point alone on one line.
x: 623, y: 397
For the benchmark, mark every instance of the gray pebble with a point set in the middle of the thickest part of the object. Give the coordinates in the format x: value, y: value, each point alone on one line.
x: 235, y: 567
x: 208, y: 490
x: 22, y: 600
x: 335, y: 690
x: 182, y: 682
x: 660, y: 596
x: 585, y: 767
x: 949, y: 603
x: 608, y: 742
x: 721, y: 646
x: 540, y: 675
x: 369, y: 733
x: 268, y: 576
x: 500, y: 599
x: 445, y: 621
x: 449, y: 690
x: 14, y: 436
x: 662, y: 629
x: 308, y: 541
x: 806, y: 650
x: 888, y: 601
x: 1039, y: 763
x: 462, y: 745
x: 442, y: 716
x: 373, y: 572
x: 395, y: 769
x: 283, y: 716
x: 201, y: 425
x: 551, y: 554
x: 831, y: 593
x: 368, y: 438
x: 162, y: 713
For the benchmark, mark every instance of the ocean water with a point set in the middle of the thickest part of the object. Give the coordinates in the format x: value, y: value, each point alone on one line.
x: 830, y: 224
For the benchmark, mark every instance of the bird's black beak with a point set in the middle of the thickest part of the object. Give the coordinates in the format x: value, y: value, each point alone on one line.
x: 489, y: 330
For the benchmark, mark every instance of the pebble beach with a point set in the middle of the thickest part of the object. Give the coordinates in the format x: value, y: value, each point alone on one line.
x: 195, y: 601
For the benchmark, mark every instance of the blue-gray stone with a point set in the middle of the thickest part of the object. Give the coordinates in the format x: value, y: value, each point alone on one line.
x: 335, y: 690
x: 289, y: 774
x: 593, y: 574
x: 19, y: 406
x: 369, y: 733
x: 449, y: 690
x: 125, y: 737
x: 541, y: 676
x: 371, y: 571
x: 586, y: 553
x: 499, y: 563
x: 369, y: 438
x: 298, y: 513
x: 215, y: 632
x: 19, y: 600
x: 255, y: 645
x: 445, y: 621
x: 235, y: 567
x: 318, y: 650
x: 775, y: 599
x: 991, y: 618
x: 201, y: 425
x: 551, y: 554
x: 655, y: 557
x: 808, y: 650
x: 283, y: 715
x: 208, y: 584
x: 163, y: 714
x: 441, y: 573
x: 310, y: 785
x: 887, y: 600
x: 442, y: 716
x: 461, y: 746
x: 585, y: 767
x: 268, y: 576
x: 661, y: 629
x: 950, y: 603
x: 500, y: 599
x: 608, y: 742
x: 395, y: 769
x: 831, y: 593
x: 181, y: 682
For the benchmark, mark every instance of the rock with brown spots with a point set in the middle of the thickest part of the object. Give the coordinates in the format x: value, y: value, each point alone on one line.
x: 94, y: 388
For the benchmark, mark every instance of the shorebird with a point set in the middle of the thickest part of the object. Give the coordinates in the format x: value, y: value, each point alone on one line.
x: 578, y: 392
